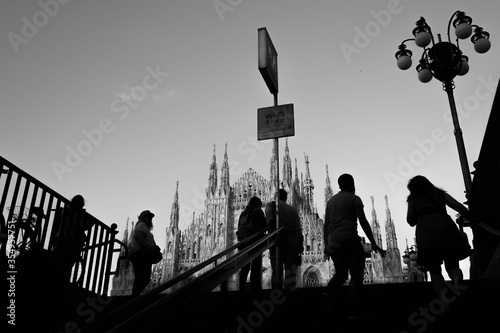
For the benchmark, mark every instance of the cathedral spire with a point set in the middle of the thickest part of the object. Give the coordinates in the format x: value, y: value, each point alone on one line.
x: 308, y: 187
x: 287, y: 169
x: 272, y: 170
x: 126, y: 233
x: 377, y: 234
x: 328, y: 187
x: 174, y: 213
x: 387, y: 210
x: 306, y: 159
x: 390, y: 230
x: 212, y: 177
x: 296, y: 173
x: 393, y: 254
x: 302, y: 186
x: 374, y: 213
x: 296, y: 197
x: 224, y: 179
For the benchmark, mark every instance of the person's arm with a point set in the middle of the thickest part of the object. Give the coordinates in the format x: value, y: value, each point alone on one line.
x: 365, y: 225
x: 325, y: 227
x: 326, y: 256
x: 456, y: 206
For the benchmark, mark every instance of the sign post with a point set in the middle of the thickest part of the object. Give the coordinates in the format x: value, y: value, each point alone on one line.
x: 268, y: 61
x: 273, y: 123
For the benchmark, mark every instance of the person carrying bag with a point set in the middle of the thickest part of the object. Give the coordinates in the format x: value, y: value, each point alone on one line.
x: 438, y: 238
x: 143, y: 252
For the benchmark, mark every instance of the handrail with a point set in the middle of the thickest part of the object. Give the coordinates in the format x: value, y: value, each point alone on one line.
x: 149, y: 306
x: 36, y: 212
x: 120, y: 258
x: 486, y: 227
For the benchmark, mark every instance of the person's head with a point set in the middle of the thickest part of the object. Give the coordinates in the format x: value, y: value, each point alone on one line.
x: 147, y: 217
x: 253, y: 203
x: 78, y: 202
x: 283, y: 194
x: 419, y: 186
x: 346, y: 183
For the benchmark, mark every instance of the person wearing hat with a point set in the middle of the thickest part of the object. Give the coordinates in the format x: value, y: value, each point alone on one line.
x: 142, y: 239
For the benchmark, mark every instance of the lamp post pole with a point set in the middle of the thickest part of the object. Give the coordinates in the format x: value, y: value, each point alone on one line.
x: 448, y: 87
x: 444, y: 61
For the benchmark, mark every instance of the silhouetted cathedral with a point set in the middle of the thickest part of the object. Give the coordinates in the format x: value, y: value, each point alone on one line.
x: 215, y: 229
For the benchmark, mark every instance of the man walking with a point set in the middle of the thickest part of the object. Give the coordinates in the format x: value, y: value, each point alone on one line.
x: 342, y: 242
x: 291, y: 243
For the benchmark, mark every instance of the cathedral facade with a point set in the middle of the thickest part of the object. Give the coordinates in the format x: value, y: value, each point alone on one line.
x: 215, y: 229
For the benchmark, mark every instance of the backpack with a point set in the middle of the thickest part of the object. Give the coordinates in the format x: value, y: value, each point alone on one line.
x: 245, y: 227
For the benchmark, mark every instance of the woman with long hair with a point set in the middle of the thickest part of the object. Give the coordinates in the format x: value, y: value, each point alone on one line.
x: 142, y: 239
x: 437, y: 236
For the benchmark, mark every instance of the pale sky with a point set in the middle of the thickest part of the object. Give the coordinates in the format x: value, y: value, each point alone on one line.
x: 119, y: 100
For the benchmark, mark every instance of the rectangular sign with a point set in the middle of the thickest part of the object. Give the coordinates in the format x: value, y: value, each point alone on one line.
x: 268, y: 61
x: 275, y: 122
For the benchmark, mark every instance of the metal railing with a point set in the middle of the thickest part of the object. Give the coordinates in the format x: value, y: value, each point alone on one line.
x: 144, y: 312
x: 36, y: 218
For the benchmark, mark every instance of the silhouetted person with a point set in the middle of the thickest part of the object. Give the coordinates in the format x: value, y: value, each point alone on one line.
x: 255, y: 217
x: 437, y: 235
x: 142, y: 238
x: 70, y: 237
x: 291, y: 243
x: 342, y: 242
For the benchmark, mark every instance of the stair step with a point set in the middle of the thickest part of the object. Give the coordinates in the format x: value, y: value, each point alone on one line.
x: 384, y: 308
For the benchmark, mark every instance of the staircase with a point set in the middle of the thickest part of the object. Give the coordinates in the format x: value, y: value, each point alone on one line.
x: 405, y: 307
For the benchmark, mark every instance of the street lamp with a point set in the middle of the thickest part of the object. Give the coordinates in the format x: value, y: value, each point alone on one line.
x: 410, y: 259
x: 444, y: 60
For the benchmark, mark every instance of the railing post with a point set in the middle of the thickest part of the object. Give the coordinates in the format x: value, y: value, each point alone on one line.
x: 109, y: 258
